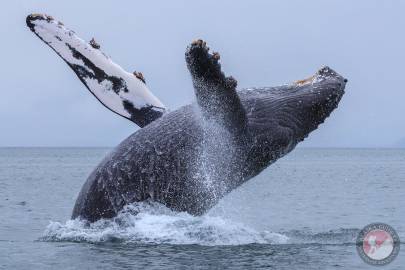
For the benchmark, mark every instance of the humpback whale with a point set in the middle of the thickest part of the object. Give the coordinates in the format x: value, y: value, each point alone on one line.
x: 191, y: 157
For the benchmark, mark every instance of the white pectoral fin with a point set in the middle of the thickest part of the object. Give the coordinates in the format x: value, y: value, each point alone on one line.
x: 122, y: 92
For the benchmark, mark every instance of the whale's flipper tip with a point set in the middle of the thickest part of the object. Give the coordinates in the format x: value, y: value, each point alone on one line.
x: 203, y: 64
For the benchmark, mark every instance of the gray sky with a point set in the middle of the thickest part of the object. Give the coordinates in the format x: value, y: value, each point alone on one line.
x: 262, y: 43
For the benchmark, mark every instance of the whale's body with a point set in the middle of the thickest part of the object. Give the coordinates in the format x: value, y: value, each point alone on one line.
x: 177, y: 160
x: 188, y: 159
x: 171, y: 160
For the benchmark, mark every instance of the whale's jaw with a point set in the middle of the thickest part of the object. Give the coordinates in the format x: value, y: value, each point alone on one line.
x: 281, y: 117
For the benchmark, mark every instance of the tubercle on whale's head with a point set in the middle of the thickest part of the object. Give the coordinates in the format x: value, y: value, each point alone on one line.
x: 286, y: 115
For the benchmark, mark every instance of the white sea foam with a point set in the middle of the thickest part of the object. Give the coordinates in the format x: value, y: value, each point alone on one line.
x: 154, y: 223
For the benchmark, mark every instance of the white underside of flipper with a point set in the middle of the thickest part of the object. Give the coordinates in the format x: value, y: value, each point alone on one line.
x: 120, y: 91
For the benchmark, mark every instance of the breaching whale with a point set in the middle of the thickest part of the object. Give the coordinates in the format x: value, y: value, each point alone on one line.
x: 189, y: 158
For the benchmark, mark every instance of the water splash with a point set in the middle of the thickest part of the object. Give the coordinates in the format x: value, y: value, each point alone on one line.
x: 153, y: 223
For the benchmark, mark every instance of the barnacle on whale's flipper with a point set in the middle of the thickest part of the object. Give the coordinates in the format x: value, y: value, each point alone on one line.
x: 122, y: 92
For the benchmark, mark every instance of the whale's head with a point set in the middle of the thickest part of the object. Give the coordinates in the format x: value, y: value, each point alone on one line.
x: 280, y: 117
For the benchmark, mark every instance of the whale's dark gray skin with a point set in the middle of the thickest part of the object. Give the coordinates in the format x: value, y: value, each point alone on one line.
x: 177, y: 160
x: 187, y: 159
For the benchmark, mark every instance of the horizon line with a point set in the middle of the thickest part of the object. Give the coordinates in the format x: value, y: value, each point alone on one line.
x: 303, y: 147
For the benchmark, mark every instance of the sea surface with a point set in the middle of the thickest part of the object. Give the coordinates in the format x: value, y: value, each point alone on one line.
x: 303, y: 212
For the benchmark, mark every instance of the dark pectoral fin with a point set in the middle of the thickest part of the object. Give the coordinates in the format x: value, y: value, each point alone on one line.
x: 216, y: 94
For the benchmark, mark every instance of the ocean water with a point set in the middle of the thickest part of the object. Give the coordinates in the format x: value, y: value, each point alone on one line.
x: 303, y: 212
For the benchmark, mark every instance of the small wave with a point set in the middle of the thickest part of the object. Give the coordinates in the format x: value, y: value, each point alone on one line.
x: 332, y: 237
x: 153, y: 223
